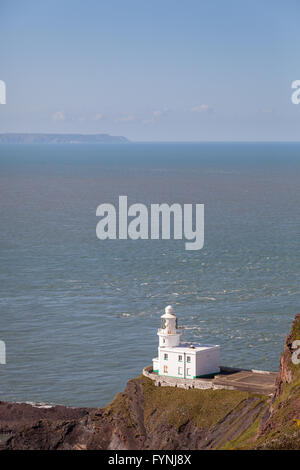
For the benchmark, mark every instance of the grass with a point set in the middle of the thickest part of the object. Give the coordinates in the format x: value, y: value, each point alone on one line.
x: 120, y: 406
x: 176, y: 406
x: 244, y: 439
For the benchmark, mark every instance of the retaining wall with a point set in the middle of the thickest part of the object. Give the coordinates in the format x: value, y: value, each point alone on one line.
x: 256, y: 381
x: 164, y: 381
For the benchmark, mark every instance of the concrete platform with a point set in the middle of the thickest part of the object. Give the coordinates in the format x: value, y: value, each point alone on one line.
x: 248, y: 380
x: 254, y: 381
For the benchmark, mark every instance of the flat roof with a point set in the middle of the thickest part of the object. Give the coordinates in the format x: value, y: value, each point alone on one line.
x: 185, y: 347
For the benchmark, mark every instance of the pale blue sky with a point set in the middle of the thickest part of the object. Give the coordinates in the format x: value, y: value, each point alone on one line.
x: 151, y: 69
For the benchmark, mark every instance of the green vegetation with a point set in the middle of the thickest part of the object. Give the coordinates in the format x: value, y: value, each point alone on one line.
x: 245, y: 438
x: 177, y: 406
x: 120, y: 406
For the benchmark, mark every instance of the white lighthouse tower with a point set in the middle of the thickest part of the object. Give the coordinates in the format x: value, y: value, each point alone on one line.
x: 183, y: 360
x: 169, y: 334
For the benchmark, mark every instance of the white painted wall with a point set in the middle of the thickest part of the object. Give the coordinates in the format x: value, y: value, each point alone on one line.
x: 173, y: 363
x: 194, y: 363
x: 208, y: 361
x: 155, y: 363
x: 167, y: 340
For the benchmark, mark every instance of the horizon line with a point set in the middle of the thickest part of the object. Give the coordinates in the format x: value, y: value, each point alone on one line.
x: 129, y: 141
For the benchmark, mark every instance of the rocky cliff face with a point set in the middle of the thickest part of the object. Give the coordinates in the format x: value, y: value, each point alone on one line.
x: 149, y: 417
x: 288, y: 372
x: 142, y: 417
x: 281, y: 427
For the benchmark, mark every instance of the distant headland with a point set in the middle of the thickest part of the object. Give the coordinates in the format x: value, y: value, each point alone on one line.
x: 14, y: 138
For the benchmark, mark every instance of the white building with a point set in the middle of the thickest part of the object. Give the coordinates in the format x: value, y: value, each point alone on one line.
x: 183, y: 360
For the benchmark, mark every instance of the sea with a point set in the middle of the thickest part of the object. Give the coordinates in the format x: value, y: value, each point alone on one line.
x: 79, y: 315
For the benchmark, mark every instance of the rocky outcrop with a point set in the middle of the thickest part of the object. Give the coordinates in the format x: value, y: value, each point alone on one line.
x: 39, y: 426
x: 280, y: 428
x: 287, y: 371
x: 149, y: 417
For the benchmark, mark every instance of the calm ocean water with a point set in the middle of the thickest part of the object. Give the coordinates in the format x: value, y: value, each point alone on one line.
x: 79, y: 315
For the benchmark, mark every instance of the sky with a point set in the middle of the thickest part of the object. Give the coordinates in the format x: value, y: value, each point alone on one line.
x: 151, y: 70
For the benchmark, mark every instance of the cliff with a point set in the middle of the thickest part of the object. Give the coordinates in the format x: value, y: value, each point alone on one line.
x: 280, y: 428
x: 149, y: 417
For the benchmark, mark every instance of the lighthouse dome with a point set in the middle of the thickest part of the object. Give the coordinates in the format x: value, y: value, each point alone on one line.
x: 169, y: 309
x: 169, y: 312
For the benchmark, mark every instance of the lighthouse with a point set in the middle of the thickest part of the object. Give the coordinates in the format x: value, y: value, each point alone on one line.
x: 168, y: 333
x: 183, y: 360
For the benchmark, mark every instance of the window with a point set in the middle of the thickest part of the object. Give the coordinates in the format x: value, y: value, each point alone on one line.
x: 165, y: 369
x: 164, y: 340
x: 179, y: 370
x: 188, y: 372
x: 188, y: 358
x: 180, y: 358
x: 165, y: 357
